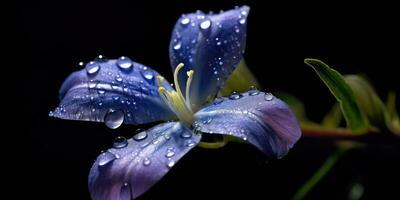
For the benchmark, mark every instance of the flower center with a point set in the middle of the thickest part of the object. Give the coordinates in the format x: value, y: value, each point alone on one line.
x: 174, y: 98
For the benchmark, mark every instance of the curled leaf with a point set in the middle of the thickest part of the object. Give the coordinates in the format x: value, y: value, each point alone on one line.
x: 355, y: 118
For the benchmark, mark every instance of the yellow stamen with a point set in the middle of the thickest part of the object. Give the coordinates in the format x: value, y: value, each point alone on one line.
x: 174, y: 99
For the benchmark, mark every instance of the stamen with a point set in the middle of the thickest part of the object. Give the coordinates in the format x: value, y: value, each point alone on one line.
x: 188, y: 82
x: 174, y: 99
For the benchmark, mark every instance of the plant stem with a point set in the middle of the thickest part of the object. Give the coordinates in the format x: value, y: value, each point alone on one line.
x: 321, y: 172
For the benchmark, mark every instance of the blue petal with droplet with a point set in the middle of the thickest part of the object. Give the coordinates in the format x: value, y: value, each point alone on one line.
x: 113, y: 90
x: 141, y: 163
x: 210, y: 44
x: 260, y: 119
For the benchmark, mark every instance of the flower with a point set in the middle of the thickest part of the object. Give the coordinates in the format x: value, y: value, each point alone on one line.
x: 208, y: 47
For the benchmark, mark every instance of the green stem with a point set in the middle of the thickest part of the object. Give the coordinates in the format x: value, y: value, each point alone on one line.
x: 321, y: 172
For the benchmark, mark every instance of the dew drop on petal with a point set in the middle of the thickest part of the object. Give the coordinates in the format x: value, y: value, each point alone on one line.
x: 101, y: 58
x: 205, y: 24
x: 177, y: 46
x: 218, y: 100
x: 242, y: 21
x: 268, y: 96
x: 92, y: 68
x: 253, y: 91
x: 120, y: 142
x: 114, y: 118
x: 106, y: 158
x: 124, y: 63
x: 140, y: 136
x: 185, y: 21
x: 186, y: 134
x: 147, y: 75
x: 235, y: 95
x: 170, y: 154
x: 171, y: 163
x: 146, y: 162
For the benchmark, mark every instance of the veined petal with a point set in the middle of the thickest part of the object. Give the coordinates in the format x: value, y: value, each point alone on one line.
x: 256, y: 117
x: 118, y: 88
x: 127, y: 172
x: 210, y: 44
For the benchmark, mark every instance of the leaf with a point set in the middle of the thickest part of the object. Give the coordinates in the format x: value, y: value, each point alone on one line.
x: 392, y: 112
x: 240, y: 80
x: 343, y: 93
x: 333, y: 118
x: 369, y: 102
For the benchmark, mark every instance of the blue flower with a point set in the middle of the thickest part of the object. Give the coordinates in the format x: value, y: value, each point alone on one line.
x: 207, y: 47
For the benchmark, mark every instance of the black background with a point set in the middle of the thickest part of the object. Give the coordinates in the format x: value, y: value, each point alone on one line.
x: 360, y: 38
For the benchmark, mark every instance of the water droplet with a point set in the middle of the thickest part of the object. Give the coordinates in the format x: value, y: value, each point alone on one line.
x: 177, y: 46
x: 242, y: 21
x: 101, y: 91
x: 140, y: 136
x: 92, y: 68
x: 205, y: 24
x: 218, y: 100
x: 106, y: 158
x: 147, y: 74
x: 244, y: 138
x: 51, y: 114
x: 207, y: 121
x: 171, y: 163
x: 253, y: 91
x: 190, y: 143
x: 268, y: 96
x: 146, y: 162
x: 185, y: 21
x: 186, y: 134
x: 120, y: 142
x: 124, y: 63
x: 219, y: 43
x: 235, y: 95
x: 101, y: 58
x: 215, y: 72
x: 125, y: 192
x: 170, y: 154
x: 118, y: 78
x: 243, y: 12
x: 81, y: 64
x: 114, y: 118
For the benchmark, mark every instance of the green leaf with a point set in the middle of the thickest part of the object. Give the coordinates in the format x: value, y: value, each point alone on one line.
x: 343, y: 93
x: 392, y: 112
x: 240, y: 80
x: 369, y: 102
x: 333, y: 118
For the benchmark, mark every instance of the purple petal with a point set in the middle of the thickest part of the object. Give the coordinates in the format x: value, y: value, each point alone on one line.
x: 256, y: 117
x: 113, y: 91
x: 211, y: 45
x: 129, y: 171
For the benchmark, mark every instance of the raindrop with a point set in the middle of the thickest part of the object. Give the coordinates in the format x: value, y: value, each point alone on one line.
x: 116, y: 98
x: 185, y: 21
x: 92, y: 84
x: 106, y: 158
x: 190, y: 143
x: 253, y: 91
x: 125, y: 192
x: 146, y: 162
x: 218, y: 100
x: 205, y: 24
x: 170, y: 154
x: 118, y: 78
x: 242, y: 21
x: 81, y: 64
x: 120, y: 142
x: 140, y: 136
x: 114, y: 118
x: 235, y: 95
x: 101, y: 58
x: 186, y: 134
x: 147, y: 74
x: 268, y: 96
x: 101, y: 91
x: 124, y: 63
x: 92, y: 68
x: 178, y: 46
x: 171, y: 163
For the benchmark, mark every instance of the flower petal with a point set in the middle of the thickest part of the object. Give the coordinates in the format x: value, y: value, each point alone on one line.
x: 128, y: 172
x: 257, y: 117
x: 210, y: 44
x: 118, y: 88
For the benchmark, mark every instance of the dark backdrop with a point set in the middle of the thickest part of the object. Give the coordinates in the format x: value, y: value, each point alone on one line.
x: 359, y: 38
